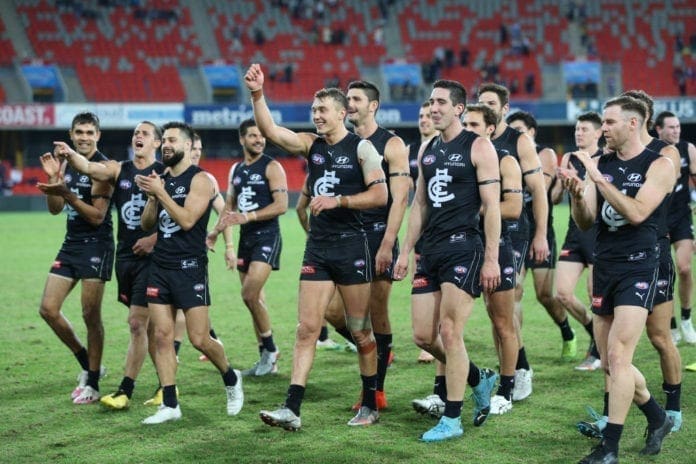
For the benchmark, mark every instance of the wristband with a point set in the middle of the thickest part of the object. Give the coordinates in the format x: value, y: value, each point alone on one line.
x: 229, y: 246
x: 255, y: 215
x: 338, y: 201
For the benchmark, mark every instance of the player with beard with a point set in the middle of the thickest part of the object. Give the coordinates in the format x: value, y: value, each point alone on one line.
x: 257, y: 194
x: 87, y: 253
x: 134, y: 243
x: 179, y: 204
x: 522, y: 148
x: 344, y: 178
x: 624, y: 194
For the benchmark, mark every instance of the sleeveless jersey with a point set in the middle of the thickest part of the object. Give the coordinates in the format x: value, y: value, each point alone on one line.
x: 617, y: 240
x: 680, y: 197
x: 452, y: 195
x: 507, y: 225
x: 251, y: 189
x: 413, y: 160
x: 335, y: 170
x: 576, y: 164
x: 130, y: 201
x: 663, y: 227
x: 78, y: 229
x: 528, y: 202
x: 508, y: 141
x: 177, y: 248
x: 371, y: 216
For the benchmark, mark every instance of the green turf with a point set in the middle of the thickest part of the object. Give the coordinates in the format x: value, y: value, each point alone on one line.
x: 40, y: 424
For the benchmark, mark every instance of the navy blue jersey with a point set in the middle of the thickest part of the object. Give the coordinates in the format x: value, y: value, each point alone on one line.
x: 576, y: 164
x: 617, y: 240
x: 452, y: 196
x: 78, y: 229
x: 680, y: 197
x: 130, y: 201
x: 177, y: 248
x: 335, y: 170
x: 508, y: 141
x: 413, y: 160
x: 252, y: 191
x: 374, y: 215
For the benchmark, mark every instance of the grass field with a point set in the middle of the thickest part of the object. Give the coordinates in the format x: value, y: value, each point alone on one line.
x: 40, y: 424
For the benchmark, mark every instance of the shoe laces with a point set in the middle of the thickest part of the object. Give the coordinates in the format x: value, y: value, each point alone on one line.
x: 593, y: 414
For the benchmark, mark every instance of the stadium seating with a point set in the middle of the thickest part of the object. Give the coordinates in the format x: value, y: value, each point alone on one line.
x: 128, y: 53
x: 118, y: 56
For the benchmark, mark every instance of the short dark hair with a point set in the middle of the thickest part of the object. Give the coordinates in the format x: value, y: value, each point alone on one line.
x: 627, y: 103
x: 456, y: 90
x: 86, y: 117
x: 333, y: 93
x: 425, y: 104
x: 245, y: 125
x: 184, y: 128
x: 646, y: 99
x: 489, y: 116
x: 660, y: 119
x: 369, y: 88
x: 157, y: 131
x: 526, y: 118
x: 593, y: 117
x: 196, y: 137
x: 500, y: 90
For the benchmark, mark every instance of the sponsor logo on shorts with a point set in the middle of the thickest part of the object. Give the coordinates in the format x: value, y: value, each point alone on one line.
x: 267, y: 249
x: 641, y: 285
x: 508, y: 270
x: 460, y: 269
x: 308, y: 270
x: 596, y: 301
x: 95, y: 259
x: 359, y: 263
x: 662, y: 283
x: 56, y: 264
x: 420, y: 282
x: 199, y: 287
x: 189, y: 263
x: 152, y: 292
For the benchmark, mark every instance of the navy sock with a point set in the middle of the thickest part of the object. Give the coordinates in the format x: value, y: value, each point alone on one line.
x: 673, y: 393
x: 82, y: 358
x: 229, y: 377
x: 369, y: 383
x: 169, y: 396
x: 127, y: 386
x: 324, y: 334
x: 440, y: 387
x: 611, y: 436
x: 522, y: 362
x: 474, y: 377
x: 685, y: 313
x: 213, y: 334
x: 177, y: 345
x: 453, y: 409
x: 605, y: 411
x: 566, y: 331
x: 507, y: 382
x: 590, y: 329
x: 673, y: 323
x: 384, y: 343
x: 345, y: 333
x: 653, y: 412
x: 267, y: 343
x: 93, y: 379
x: 294, y: 399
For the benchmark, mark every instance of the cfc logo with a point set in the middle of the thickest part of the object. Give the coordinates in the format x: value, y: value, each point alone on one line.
x: 167, y: 224
x: 437, y: 188
x: 324, y: 185
x: 131, y: 210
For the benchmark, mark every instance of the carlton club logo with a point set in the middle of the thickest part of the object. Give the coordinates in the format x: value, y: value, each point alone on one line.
x: 167, y: 225
x: 437, y: 188
x: 131, y: 211
x: 325, y: 185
